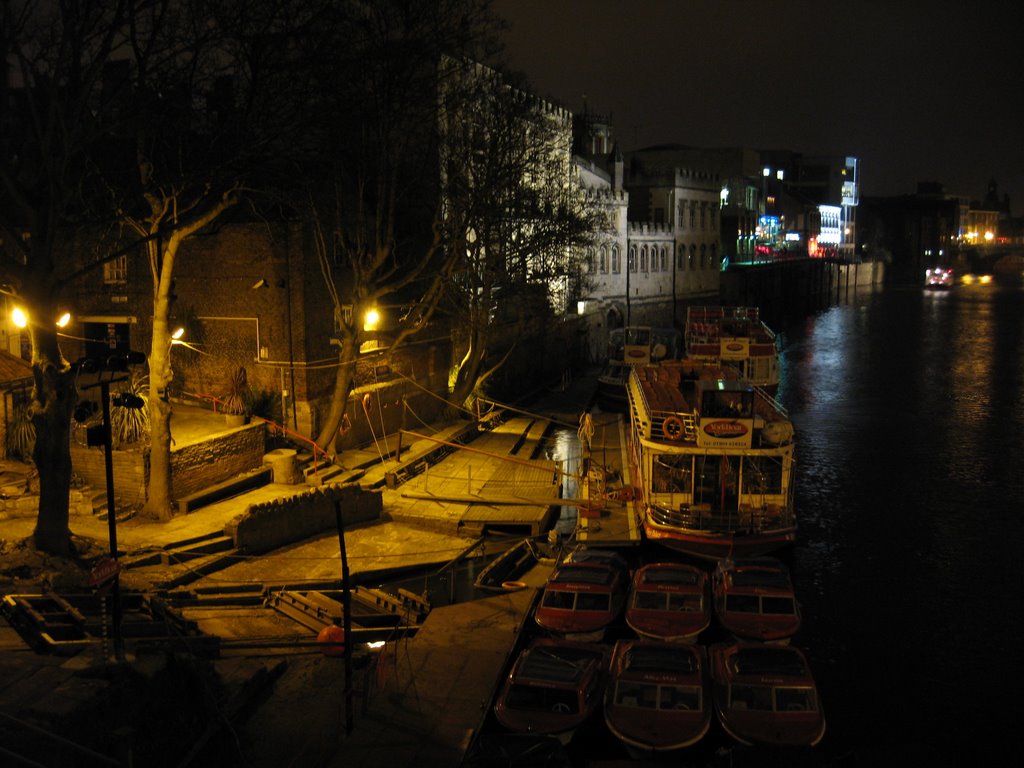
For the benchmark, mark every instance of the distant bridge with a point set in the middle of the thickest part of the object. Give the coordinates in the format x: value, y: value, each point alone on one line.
x: 994, y: 258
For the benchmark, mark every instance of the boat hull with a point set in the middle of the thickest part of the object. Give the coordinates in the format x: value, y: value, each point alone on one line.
x: 718, y: 546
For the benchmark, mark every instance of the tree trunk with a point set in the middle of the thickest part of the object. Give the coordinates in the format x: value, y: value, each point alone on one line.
x: 54, y: 399
x: 344, y: 380
x: 159, y: 490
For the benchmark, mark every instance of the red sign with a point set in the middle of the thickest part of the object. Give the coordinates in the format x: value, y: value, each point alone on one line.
x: 725, y: 429
x: 104, y: 570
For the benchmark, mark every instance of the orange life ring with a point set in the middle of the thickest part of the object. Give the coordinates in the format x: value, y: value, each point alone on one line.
x: 513, y: 586
x: 672, y: 428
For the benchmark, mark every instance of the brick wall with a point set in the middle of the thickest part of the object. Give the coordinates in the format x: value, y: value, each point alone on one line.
x: 194, y: 466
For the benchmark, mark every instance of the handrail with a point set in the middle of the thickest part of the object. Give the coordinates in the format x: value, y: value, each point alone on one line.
x: 275, y: 428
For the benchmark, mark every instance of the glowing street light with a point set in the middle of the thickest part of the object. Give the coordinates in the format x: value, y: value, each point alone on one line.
x: 63, y: 320
x: 371, y: 320
x: 19, y: 317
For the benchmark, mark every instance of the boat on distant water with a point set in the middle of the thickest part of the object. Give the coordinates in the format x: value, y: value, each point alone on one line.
x: 754, y: 599
x: 938, y: 278
x: 711, y: 461
x: 734, y: 336
x: 580, y: 600
x: 669, y: 601
x: 553, y: 687
x: 658, y: 696
x: 765, y: 694
x: 628, y: 347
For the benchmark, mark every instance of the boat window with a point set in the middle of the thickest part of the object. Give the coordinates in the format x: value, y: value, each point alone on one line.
x: 671, y: 473
x: 758, y: 697
x: 795, y: 700
x: 542, y: 699
x: 742, y: 603
x: 633, y: 694
x: 685, y: 603
x: 650, y: 601
x: 762, y: 474
x: 559, y: 598
x: 590, y: 601
x: 778, y: 605
x: 679, y: 697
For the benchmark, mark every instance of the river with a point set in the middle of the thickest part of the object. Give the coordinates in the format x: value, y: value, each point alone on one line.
x: 909, y: 411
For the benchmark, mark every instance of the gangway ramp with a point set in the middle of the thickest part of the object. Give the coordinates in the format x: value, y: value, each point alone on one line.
x: 485, y: 486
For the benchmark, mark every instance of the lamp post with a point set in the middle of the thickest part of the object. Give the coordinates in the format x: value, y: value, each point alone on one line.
x: 101, y: 436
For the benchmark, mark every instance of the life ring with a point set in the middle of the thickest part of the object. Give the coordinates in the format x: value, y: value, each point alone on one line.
x: 672, y: 428
x: 513, y: 586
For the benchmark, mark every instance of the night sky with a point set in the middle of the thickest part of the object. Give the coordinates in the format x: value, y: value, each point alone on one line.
x: 919, y: 91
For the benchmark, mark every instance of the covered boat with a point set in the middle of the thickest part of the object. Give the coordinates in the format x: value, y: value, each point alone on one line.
x: 765, y: 694
x: 711, y: 461
x: 657, y: 698
x: 628, y: 347
x: 580, y: 600
x: 669, y: 601
x: 737, y: 337
x: 553, y: 686
x: 754, y: 599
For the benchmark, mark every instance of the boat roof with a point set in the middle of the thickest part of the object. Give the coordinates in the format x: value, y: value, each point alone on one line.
x: 669, y: 574
x: 676, y: 659
x: 556, y: 663
x: 583, y: 573
x: 756, y: 572
x: 760, y: 660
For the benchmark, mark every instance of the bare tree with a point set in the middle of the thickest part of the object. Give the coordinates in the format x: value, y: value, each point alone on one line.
x: 373, y: 197
x: 50, y: 94
x: 514, y: 213
x: 208, y: 105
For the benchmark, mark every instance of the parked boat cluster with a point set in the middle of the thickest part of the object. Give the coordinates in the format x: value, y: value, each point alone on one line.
x: 688, y: 645
x: 666, y: 647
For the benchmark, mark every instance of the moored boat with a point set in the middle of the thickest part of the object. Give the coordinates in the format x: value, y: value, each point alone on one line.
x: 765, y: 694
x: 938, y: 278
x: 628, y: 347
x: 711, y: 461
x: 657, y: 699
x: 669, y: 601
x: 737, y: 337
x: 754, y: 599
x: 553, y: 686
x: 580, y: 600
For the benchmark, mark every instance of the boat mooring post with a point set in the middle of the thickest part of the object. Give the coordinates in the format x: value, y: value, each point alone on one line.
x: 346, y: 607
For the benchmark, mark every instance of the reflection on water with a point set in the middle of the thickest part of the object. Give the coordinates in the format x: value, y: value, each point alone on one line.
x: 909, y: 409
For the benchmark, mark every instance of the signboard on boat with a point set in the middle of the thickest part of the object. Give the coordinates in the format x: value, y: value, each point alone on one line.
x: 725, y: 433
x: 734, y: 349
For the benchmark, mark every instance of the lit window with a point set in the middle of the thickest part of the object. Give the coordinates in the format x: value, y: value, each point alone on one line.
x: 115, y: 271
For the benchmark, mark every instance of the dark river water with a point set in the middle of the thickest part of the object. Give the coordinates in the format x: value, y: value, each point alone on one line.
x: 909, y: 563
x: 909, y: 411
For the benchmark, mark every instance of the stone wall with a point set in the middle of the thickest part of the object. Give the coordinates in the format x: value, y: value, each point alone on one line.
x: 267, y: 526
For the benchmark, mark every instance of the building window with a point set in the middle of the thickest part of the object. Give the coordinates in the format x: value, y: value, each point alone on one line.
x: 590, y: 261
x: 712, y: 213
x: 703, y: 255
x: 682, y: 215
x: 632, y: 259
x: 616, y: 267
x: 604, y: 259
x: 693, y: 255
x: 714, y: 256
x: 115, y: 271
x: 643, y: 259
x: 693, y: 216
x: 659, y: 215
x: 681, y: 257
x: 703, y: 211
x: 664, y: 259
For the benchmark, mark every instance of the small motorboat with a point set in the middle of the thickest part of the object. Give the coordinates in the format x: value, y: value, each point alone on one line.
x: 669, y: 601
x: 657, y: 699
x: 580, y: 600
x: 754, y: 599
x: 938, y: 278
x: 765, y: 694
x: 554, y: 685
